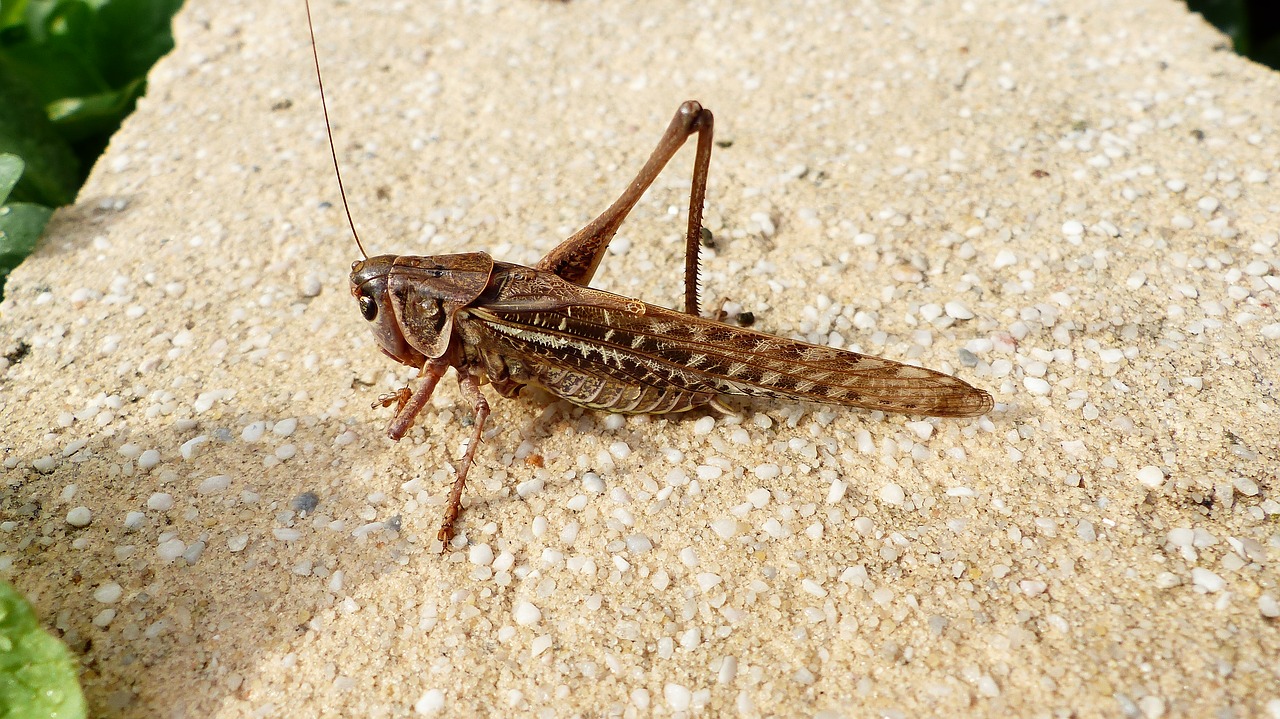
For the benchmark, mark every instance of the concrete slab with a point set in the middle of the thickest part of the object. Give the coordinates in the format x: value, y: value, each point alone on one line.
x: 1073, y: 205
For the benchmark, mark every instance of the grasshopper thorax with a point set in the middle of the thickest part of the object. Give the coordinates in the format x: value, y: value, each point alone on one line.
x: 410, y: 301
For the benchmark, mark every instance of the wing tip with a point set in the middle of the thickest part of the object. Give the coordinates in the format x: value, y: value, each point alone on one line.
x: 973, y: 402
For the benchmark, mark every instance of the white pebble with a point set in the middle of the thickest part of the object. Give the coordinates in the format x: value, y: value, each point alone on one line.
x: 1004, y: 258
x: 188, y: 448
x: 160, y: 501
x: 638, y: 544
x: 1245, y: 486
x: 171, y: 550
x: 1268, y: 606
x: 766, y: 471
x: 774, y: 528
x: 707, y: 580
x: 1151, y: 476
x: 526, y: 614
x: 216, y: 483
x: 480, y: 554
x: 287, y: 534
x: 892, y: 494
x: 1036, y: 386
x: 133, y: 521
x: 812, y: 587
x: 704, y: 425
x: 1072, y: 227
x: 148, y: 459
x: 311, y: 286
x: 1258, y: 268
x: 254, y: 432
x: 285, y: 427
x: 1111, y: 356
x: 1181, y: 536
x: 431, y: 701
x: 1207, y: 580
x: 592, y: 483
x: 678, y: 697
x: 540, y: 645
x: 79, y: 517
x: 1207, y: 204
x: 728, y: 670
x: 836, y: 493
x: 922, y: 430
x: 529, y: 488
x: 725, y: 528
x: 709, y: 471
x: 959, y: 310
x: 1032, y: 587
x: 108, y: 593
x: 689, y: 557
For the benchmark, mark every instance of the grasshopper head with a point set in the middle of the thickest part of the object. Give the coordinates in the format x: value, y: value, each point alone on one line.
x: 411, y: 301
x: 369, y: 279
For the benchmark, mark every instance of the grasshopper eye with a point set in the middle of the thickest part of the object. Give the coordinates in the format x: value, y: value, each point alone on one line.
x: 368, y: 308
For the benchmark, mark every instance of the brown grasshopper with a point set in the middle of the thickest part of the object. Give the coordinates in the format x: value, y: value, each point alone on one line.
x: 510, y: 326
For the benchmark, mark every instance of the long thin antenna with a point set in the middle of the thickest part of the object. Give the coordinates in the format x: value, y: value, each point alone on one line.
x: 333, y: 151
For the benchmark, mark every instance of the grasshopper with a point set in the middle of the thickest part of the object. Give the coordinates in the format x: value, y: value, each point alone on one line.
x: 512, y: 326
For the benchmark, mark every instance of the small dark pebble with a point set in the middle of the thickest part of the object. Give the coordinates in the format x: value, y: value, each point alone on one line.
x: 305, y: 502
x: 706, y: 238
x: 393, y: 523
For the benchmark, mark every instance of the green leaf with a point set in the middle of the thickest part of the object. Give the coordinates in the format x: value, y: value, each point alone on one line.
x: 21, y: 223
x: 132, y: 35
x: 53, y: 173
x: 10, y: 171
x: 85, y: 116
x: 55, y: 52
x: 12, y: 12
x: 37, y: 673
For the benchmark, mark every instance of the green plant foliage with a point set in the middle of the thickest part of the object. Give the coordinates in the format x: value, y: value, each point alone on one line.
x: 37, y: 673
x: 20, y: 222
x: 1254, y: 26
x: 70, y: 71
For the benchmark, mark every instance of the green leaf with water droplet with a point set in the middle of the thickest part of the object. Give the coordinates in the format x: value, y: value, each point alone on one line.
x: 38, y: 676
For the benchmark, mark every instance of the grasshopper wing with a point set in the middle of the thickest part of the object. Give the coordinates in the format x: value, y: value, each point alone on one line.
x: 626, y: 343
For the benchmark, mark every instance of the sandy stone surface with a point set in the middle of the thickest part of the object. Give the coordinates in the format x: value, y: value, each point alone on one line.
x: 1072, y: 204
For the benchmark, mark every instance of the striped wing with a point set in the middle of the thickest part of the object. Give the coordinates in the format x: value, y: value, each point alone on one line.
x: 662, y: 350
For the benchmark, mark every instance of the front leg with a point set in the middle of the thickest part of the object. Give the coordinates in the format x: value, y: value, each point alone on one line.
x: 577, y: 258
x: 408, y: 405
x: 471, y: 388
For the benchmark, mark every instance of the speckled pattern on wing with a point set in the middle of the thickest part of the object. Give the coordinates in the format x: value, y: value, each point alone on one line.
x: 665, y: 361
